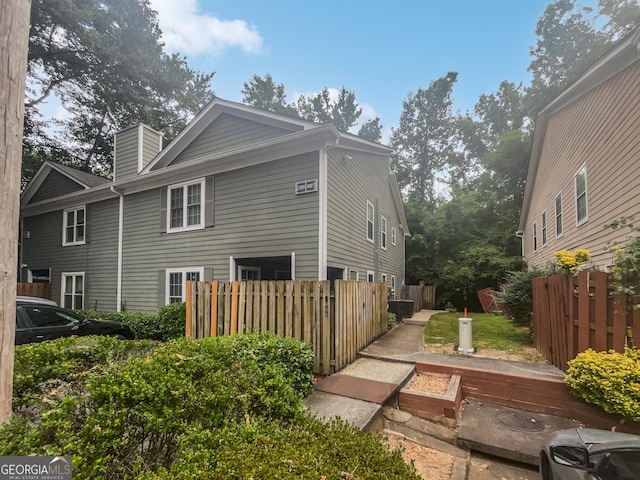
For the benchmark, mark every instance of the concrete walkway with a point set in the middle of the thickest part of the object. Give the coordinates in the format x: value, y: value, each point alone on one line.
x: 364, y: 393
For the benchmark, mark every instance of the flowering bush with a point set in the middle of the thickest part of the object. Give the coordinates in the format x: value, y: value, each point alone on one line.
x: 608, y: 379
x: 570, y: 262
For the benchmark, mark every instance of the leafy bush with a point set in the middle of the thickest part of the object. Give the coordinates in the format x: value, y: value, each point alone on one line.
x: 608, y: 379
x: 63, y: 358
x: 517, y: 295
x: 133, y: 415
x: 172, y: 320
x: 264, y: 449
x: 626, y: 262
x: 144, y: 325
x: 226, y: 407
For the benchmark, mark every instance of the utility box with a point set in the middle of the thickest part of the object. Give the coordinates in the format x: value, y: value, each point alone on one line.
x: 395, y: 306
x: 407, y: 308
x: 465, y: 332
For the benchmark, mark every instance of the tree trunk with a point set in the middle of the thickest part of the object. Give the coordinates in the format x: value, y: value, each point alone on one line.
x: 14, y: 37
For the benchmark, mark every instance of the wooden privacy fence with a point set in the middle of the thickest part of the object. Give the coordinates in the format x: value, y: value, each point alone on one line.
x: 337, y: 324
x: 572, y: 314
x: 423, y: 296
x: 40, y: 290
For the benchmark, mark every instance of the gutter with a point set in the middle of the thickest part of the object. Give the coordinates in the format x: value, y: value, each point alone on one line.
x: 120, y: 241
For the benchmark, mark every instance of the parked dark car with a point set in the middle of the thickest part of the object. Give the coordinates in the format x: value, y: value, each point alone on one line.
x: 37, y: 322
x: 590, y: 454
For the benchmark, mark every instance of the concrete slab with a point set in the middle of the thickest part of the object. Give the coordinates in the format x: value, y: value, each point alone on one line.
x: 402, y: 340
x: 506, y: 432
x: 360, y: 388
x: 379, y: 370
x: 361, y: 414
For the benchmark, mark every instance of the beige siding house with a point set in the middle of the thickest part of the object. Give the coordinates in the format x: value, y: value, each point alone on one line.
x: 585, y: 162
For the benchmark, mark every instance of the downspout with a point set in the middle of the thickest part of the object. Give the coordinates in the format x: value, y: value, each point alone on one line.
x: 120, y: 240
x: 376, y: 239
x: 322, y: 211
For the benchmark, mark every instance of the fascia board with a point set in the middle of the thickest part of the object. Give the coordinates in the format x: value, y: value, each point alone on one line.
x: 397, y: 200
x: 41, y: 175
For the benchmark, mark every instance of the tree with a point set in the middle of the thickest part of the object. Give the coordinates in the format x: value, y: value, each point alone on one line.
x: 342, y: 112
x: 425, y: 138
x: 623, y: 16
x: 104, y: 61
x: 503, y: 110
x: 567, y: 44
x: 14, y: 35
x: 265, y: 94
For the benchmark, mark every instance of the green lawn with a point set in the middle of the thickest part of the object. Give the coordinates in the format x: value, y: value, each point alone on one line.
x: 489, y: 331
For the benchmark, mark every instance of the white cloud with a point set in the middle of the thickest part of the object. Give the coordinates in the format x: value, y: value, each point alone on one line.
x: 186, y: 30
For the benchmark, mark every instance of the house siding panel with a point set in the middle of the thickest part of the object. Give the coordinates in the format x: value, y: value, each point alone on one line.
x: 98, y: 257
x: 599, y: 131
x: 126, y: 154
x: 354, y: 178
x: 225, y: 133
x: 55, y: 185
x: 257, y: 214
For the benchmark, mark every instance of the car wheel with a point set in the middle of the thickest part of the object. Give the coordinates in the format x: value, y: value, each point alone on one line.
x: 545, y: 467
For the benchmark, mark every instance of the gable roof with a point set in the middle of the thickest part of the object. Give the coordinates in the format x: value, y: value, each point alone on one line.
x: 84, y: 180
x: 622, y: 55
x: 305, y: 136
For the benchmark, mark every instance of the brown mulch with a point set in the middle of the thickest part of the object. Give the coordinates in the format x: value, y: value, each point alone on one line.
x: 437, y: 383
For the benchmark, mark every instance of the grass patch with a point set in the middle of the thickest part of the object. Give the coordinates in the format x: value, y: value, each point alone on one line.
x: 489, y: 332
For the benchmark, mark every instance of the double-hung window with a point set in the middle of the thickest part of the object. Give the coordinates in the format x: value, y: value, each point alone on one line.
x: 535, y: 237
x: 186, y: 206
x: 383, y: 233
x: 74, y: 226
x: 370, y: 217
x: 544, y: 228
x: 559, y: 215
x: 393, y: 235
x: 73, y: 290
x: 177, y: 282
x: 581, y: 196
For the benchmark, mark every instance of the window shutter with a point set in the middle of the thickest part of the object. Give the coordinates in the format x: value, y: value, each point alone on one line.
x: 209, y: 214
x: 61, y: 231
x: 162, y: 282
x: 163, y: 211
x: 87, y: 223
x: 86, y: 296
x: 208, y: 274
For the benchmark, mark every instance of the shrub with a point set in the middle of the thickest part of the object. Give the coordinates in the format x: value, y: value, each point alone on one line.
x: 63, y: 358
x: 144, y: 325
x: 265, y: 449
x: 517, y: 295
x: 608, y: 379
x: 172, y: 320
x: 133, y: 415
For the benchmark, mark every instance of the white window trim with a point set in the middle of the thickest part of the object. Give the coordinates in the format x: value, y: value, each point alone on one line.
x: 357, y: 275
x: 372, y: 221
x: 543, y: 224
x: 184, y: 227
x: 393, y: 236
x: 383, y: 232
x: 586, y: 195
x: 64, y: 226
x: 247, y: 268
x: 371, y: 276
x: 560, y: 215
x: 184, y: 271
x: 535, y: 236
x: 63, y: 284
x: 393, y: 287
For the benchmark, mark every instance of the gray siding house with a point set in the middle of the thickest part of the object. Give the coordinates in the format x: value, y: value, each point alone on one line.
x: 239, y: 194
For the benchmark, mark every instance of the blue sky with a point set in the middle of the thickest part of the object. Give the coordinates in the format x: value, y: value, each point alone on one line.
x: 379, y: 50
